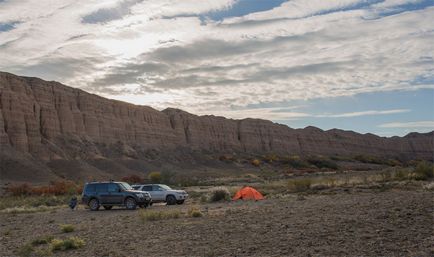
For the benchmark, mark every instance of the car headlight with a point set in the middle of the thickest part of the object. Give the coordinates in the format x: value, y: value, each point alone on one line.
x: 139, y: 195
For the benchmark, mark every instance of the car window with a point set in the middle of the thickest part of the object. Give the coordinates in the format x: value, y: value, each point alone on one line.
x: 90, y: 188
x: 147, y: 188
x: 101, y: 187
x: 157, y: 188
x: 113, y: 188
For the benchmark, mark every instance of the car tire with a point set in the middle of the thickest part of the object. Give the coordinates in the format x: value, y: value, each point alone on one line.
x: 170, y: 200
x: 130, y: 203
x: 108, y: 207
x: 180, y: 202
x: 94, y: 204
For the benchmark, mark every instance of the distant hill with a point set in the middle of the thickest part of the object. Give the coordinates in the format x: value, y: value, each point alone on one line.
x: 49, y: 130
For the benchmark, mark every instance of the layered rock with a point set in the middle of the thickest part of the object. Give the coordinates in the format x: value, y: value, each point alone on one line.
x: 50, y: 121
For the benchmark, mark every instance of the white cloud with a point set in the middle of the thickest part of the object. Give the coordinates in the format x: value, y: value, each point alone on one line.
x: 159, y: 53
x: 411, y: 125
x: 363, y: 113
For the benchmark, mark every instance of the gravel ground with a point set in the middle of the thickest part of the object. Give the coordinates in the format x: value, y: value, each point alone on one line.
x: 391, y: 223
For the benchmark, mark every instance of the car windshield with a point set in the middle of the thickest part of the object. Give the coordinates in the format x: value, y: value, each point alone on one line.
x: 165, y: 187
x: 125, y: 186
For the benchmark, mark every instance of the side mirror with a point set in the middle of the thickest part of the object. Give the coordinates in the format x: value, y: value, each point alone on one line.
x: 120, y: 190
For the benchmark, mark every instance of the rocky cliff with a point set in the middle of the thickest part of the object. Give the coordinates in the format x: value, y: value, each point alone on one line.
x: 43, y: 122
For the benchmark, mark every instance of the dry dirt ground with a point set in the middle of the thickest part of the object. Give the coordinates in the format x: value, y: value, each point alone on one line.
x: 364, y: 223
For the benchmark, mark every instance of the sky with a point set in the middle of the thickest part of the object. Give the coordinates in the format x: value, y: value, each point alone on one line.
x: 362, y: 65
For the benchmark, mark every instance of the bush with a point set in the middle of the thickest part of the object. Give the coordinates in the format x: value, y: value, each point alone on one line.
x: 195, y: 212
x: 67, y: 228
x: 133, y: 179
x: 66, y: 244
x: 270, y: 158
x: 155, y: 177
x: 61, y: 187
x: 424, y: 170
x: 299, y: 185
x: 42, y: 240
x: 256, y: 162
x: 322, y: 162
x: 401, y: 174
x: 296, y: 162
x: 25, y: 250
x: 221, y: 194
x: 158, y: 215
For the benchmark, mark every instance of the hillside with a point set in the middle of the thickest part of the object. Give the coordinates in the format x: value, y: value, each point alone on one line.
x: 49, y: 130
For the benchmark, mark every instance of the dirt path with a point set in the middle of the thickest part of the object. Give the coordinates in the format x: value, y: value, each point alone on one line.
x: 393, y: 223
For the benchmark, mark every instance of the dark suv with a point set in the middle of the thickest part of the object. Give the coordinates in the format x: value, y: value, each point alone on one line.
x: 109, y: 194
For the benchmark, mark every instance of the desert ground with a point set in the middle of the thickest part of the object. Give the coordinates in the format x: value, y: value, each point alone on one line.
x: 342, y: 221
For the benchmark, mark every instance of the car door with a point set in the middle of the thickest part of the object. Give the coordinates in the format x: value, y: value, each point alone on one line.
x: 102, y: 193
x: 115, y: 195
x: 158, y: 193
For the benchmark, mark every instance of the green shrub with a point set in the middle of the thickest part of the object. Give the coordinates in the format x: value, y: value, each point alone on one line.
x: 194, y: 212
x: 155, y: 177
x: 296, y: 162
x: 322, y: 162
x: 158, y: 215
x: 401, y: 174
x: 66, y: 244
x: 220, y: 194
x: 424, y: 170
x: 67, y: 228
x: 25, y: 250
x: 256, y: 162
x: 42, y: 240
x: 299, y: 185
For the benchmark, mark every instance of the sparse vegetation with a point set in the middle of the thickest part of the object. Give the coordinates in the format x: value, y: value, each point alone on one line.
x: 63, y: 187
x: 296, y: 162
x: 195, y: 212
x: 299, y: 185
x: 322, y: 162
x: 66, y: 244
x: 67, y: 228
x: 220, y: 194
x: 146, y: 215
x: 26, y: 250
x: 42, y: 240
x: 424, y: 171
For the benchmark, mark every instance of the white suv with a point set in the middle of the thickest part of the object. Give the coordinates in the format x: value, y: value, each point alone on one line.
x: 163, y: 193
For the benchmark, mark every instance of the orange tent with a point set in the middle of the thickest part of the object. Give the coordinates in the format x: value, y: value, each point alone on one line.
x: 248, y: 193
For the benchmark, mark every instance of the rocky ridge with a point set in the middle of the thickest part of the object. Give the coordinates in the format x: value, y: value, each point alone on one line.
x: 43, y: 122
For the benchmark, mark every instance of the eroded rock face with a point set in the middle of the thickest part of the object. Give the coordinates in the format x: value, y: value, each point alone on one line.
x: 50, y: 121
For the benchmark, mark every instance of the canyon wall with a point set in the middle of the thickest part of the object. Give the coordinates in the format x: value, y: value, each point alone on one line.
x: 49, y: 121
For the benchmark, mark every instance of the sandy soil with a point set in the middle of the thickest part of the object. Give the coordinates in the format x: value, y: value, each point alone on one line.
x: 391, y: 223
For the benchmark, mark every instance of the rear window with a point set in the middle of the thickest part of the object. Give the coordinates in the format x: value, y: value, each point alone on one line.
x: 90, y: 188
x: 101, y: 188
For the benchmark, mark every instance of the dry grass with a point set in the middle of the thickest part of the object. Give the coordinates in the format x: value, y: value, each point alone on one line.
x: 194, y: 212
x: 67, y: 228
x: 147, y: 215
x: 66, y: 244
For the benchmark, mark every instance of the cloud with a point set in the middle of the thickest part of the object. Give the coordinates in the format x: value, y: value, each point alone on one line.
x: 363, y: 113
x: 411, y: 125
x: 117, y: 12
x: 300, y: 50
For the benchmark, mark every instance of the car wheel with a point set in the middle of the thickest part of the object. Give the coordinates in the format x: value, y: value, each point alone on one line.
x: 130, y: 203
x: 108, y: 207
x: 180, y: 202
x: 94, y: 204
x: 170, y: 200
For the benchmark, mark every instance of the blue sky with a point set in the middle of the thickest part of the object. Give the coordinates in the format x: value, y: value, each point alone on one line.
x: 362, y: 65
